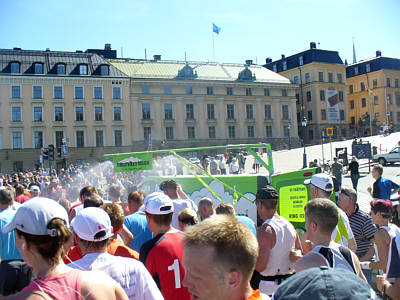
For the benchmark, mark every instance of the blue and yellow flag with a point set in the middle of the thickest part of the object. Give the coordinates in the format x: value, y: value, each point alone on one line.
x: 216, y: 29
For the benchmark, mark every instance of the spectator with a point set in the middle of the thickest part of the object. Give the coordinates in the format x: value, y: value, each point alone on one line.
x: 228, y: 209
x: 234, y: 166
x: 163, y: 254
x: 14, y: 273
x: 391, y: 289
x: 206, y: 208
x: 219, y: 259
x: 93, y: 227
x: 337, y: 169
x: 179, y: 199
x: 187, y: 217
x: 136, y: 222
x: 276, y: 238
x: 321, y: 186
x: 322, y: 217
x: 354, y: 172
x: 222, y: 165
x: 324, y: 283
x: 382, y: 187
x: 381, y: 212
x: 42, y: 228
x: 213, y: 166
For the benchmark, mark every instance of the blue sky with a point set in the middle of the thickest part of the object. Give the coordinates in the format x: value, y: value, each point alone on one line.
x: 250, y: 29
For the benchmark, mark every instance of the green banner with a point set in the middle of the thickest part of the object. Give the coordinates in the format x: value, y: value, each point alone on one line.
x: 292, y: 200
x: 133, y: 162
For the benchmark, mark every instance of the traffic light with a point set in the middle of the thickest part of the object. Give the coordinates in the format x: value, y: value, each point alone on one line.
x: 59, y: 152
x: 45, y: 153
x: 51, y: 152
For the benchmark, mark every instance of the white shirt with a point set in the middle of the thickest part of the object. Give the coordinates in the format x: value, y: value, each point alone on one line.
x: 128, y: 272
x: 179, y: 205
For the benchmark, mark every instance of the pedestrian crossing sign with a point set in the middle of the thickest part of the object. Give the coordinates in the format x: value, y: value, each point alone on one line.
x: 329, y: 131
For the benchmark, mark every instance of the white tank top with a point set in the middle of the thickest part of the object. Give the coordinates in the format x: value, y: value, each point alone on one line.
x: 338, y: 259
x: 392, y: 230
x: 279, y: 262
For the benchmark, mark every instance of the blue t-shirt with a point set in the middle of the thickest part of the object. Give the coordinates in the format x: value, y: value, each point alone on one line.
x: 8, y: 247
x: 137, y: 225
x: 383, y: 188
x: 247, y: 221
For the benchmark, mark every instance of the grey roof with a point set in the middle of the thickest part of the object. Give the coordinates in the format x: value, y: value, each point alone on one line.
x: 176, y: 70
x: 50, y: 59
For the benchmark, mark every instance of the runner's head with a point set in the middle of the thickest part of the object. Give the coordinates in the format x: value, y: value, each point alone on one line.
x: 93, y: 227
x: 219, y: 258
x: 381, y: 211
x: 42, y: 229
x: 267, y: 200
x: 115, y: 192
x: 116, y: 214
x: 135, y: 201
x: 322, y: 216
x: 169, y: 187
x: 86, y: 192
x: 347, y: 200
x: 225, y: 209
x: 187, y: 217
x: 206, y: 208
x: 159, y: 210
x: 377, y: 171
x: 93, y: 200
x: 321, y: 186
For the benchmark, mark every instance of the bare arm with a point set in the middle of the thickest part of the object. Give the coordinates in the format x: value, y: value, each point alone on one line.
x: 382, y: 241
x: 181, y: 193
x: 296, y: 253
x: 392, y: 290
x: 126, y: 235
x: 266, y: 241
x: 353, y: 245
x: 358, y: 267
x: 370, y: 253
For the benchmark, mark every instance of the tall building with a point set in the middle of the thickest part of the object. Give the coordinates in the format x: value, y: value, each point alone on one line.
x: 320, y: 76
x: 188, y: 104
x: 49, y: 97
x: 373, y: 90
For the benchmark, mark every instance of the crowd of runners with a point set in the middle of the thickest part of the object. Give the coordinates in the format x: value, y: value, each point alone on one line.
x: 87, y: 233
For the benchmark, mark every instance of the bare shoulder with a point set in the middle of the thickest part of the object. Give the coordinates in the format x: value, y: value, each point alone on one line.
x: 381, y: 235
x: 310, y: 260
x: 98, y: 285
x: 29, y: 295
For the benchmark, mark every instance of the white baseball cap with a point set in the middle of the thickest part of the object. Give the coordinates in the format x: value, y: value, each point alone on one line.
x: 322, y: 181
x: 34, y: 216
x: 158, y: 204
x: 35, y: 188
x: 90, y: 221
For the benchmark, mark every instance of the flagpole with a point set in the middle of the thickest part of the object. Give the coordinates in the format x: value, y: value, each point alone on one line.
x: 212, y: 33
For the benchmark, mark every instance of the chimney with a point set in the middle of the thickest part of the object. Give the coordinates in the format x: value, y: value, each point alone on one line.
x: 16, y: 48
x: 249, y: 62
x: 47, y: 49
x: 313, y: 45
x: 157, y: 57
x: 268, y: 60
x: 378, y: 53
x: 283, y: 56
x: 107, y: 47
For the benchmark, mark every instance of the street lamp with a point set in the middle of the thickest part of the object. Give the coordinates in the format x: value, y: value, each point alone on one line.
x: 288, y: 126
x: 304, y: 124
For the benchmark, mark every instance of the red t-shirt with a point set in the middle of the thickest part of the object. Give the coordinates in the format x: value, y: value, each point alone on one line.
x: 162, y: 257
x: 21, y: 198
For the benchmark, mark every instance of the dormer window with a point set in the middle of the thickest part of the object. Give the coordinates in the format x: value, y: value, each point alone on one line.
x: 187, y: 72
x: 104, y: 70
x: 61, y: 69
x: 38, y: 68
x: 83, y: 69
x: 15, y: 67
x: 284, y: 66
x: 275, y: 68
x: 301, y: 60
x: 246, y: 74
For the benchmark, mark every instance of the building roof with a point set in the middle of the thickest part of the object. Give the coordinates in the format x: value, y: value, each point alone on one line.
x: 50, y: 60
x: 309, y: 56
x: 375, y: 64
x: 181, y: 70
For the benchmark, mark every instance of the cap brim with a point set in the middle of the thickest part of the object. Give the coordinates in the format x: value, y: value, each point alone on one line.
x: 307, y: 181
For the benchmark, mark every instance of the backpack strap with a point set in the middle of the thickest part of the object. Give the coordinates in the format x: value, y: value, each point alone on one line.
x: 346, y: 252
